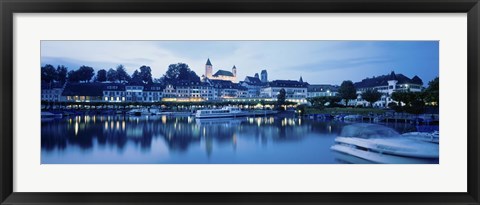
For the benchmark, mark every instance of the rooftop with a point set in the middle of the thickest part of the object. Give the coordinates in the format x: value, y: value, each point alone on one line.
x: 383, y: 80
x: 287, y: 83
x: 322, y: 88
x: 223, y: 73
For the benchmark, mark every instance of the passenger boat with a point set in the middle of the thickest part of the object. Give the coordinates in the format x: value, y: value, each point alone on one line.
x: 223, y: 112
x: 381, y: 144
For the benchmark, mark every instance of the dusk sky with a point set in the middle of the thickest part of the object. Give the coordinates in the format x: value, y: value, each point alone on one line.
x: 318, y: 62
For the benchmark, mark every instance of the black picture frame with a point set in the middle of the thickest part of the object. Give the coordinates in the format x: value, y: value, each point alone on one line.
x: 10, y: 7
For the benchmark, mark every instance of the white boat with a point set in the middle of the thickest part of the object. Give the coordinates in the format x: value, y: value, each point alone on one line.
x: 138, y: 112
x: 381, y: 144
x: 49, y: 114
x: 353, y: 118
x: 224, y: 112
x: 424, y: 136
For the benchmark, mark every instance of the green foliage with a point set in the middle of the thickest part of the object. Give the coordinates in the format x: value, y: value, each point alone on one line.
x: 410, y: 102
x: 48, y: 73
x: 281, y: 97
x: 112, y: 75
x: 146, y: 74
x: 122, y: 74
x: 347, y: 91
x: 324, y: 101
x: 61, y: 75
x: 179, y: 72
x: 101, y: 75
x: 136, y: 78
x: 371, y: 96
x: 85, y: 73
x: 432, y: 92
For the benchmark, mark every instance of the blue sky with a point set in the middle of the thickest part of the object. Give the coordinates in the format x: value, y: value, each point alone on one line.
x: 318, y: 62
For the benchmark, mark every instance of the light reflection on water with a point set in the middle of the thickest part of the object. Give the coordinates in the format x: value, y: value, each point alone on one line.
x: 172, y: 140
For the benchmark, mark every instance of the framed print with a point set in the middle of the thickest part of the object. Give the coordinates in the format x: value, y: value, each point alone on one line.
x: 239, y: 102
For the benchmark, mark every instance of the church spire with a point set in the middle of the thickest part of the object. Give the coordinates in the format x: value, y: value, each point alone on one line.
x: 301, y: 80
x: 208, y: 62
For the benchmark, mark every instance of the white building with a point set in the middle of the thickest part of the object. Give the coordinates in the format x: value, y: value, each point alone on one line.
x: 295, y: 91
x: 322, y: 90
x: 387, y: 84
x: 52, y: 92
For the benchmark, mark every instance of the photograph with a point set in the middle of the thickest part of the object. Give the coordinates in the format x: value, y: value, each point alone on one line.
x: 239, y: 102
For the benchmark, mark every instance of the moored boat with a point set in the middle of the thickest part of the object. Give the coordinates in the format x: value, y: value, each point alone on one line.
x: 223, y: 112
x: 424, y: 136
x: 381, y: 144
x: 51, y: 115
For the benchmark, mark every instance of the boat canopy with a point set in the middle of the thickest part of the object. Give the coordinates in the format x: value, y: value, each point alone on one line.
x: 368, y: 131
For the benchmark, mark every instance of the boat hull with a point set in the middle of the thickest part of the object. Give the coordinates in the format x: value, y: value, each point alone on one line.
x: 354, y: 155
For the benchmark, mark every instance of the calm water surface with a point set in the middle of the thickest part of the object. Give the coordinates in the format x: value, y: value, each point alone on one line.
x: 122, y: 139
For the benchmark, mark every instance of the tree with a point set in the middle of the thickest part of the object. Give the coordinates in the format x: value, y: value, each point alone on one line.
x: 146, y: 74
x: 179, y: 72
x: 85, y: 73
x: 136, y: 78
x: 321, y: 101
x: 432, y: 92
x: 101, y: 75
x: 347, y: 91
x: 48, y: 73
x: 411, y: 102
x: 122, y: 74
x: 72, y: 76
x: 62, y: 74
x: 281, y: 97
x: 112, y: 75
x: 371, y: 96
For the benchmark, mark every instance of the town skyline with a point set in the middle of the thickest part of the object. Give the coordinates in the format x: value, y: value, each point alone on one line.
x: 358, y: 59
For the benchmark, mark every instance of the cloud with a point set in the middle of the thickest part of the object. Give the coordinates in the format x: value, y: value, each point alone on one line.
x: 317, y: 61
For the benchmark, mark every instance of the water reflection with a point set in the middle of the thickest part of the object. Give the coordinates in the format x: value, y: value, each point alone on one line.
x: 168, y: 139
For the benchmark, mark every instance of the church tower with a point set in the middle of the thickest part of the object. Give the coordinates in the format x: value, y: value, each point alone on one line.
x: 208, y: 69
x: 234, y: 72
x: 264, y: 76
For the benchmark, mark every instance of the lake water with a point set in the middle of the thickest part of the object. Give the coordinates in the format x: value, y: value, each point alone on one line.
x: 122, y: 139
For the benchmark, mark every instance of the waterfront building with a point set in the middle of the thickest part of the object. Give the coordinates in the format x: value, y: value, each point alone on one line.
x: 153, y: 92
x: 220, y: 74
x: 228, y: 89
x: 52, y: 92
x: 113, y: 92
x: 83, y: 92
x: 253, y: 85
x: 387, y: 84
x: 295, y: 91
x: 189, y: 91
x: 134, y: 92
x: 322, y: 90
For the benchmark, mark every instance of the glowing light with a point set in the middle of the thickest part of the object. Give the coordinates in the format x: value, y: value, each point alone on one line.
x: 76, y: 128
x: 106, y: 125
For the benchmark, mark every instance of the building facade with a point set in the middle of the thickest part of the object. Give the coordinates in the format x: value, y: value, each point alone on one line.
x: 322, y: 90
x: 387, y: 84
x: 295, y: 91
x: 220, y: 74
